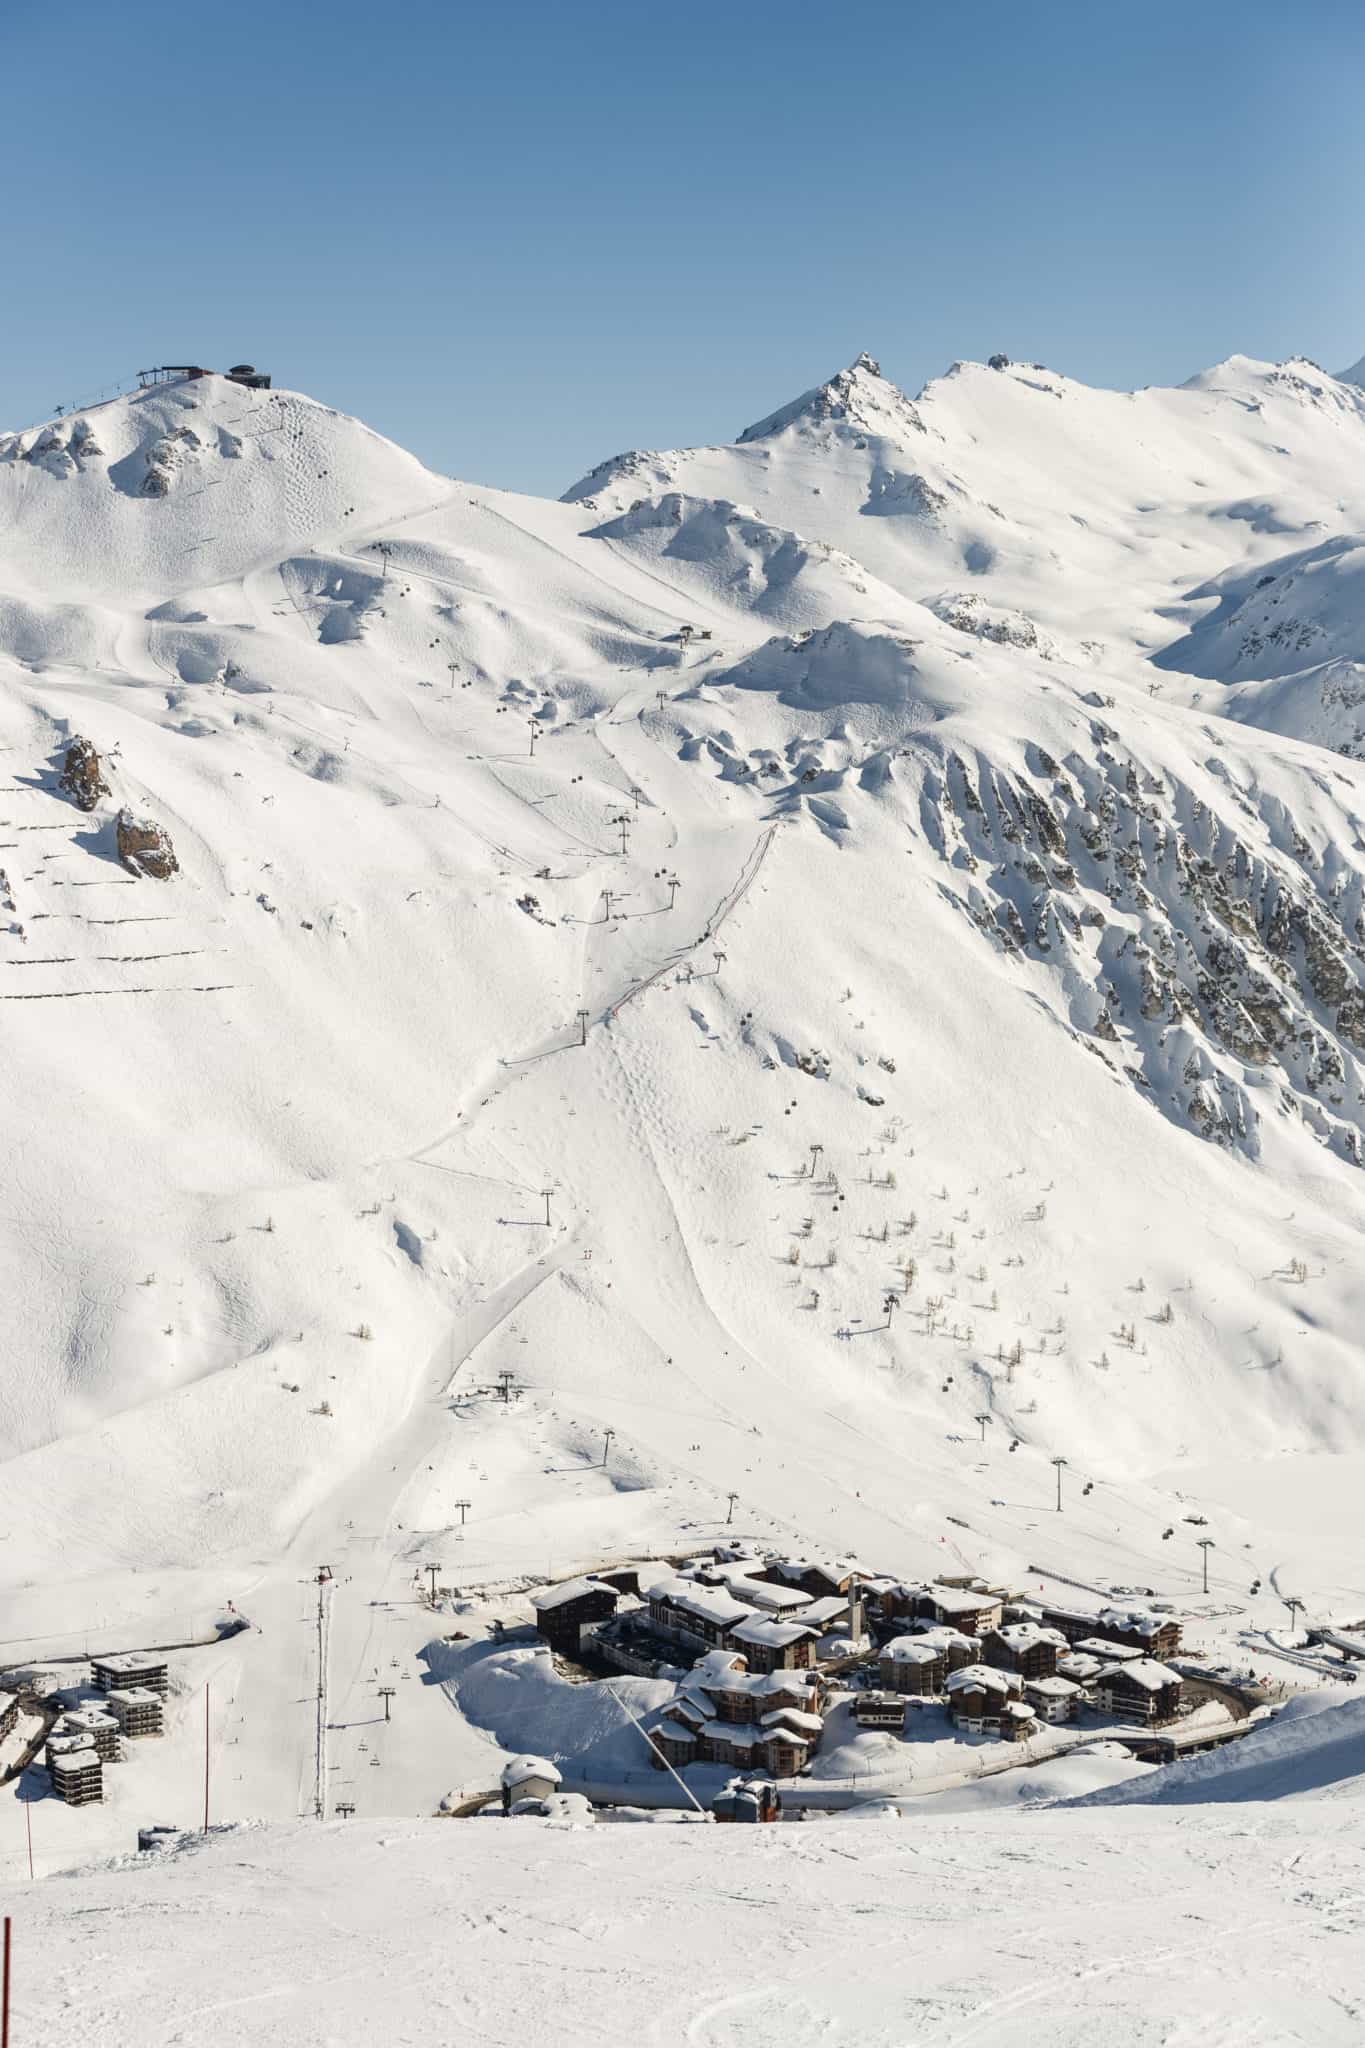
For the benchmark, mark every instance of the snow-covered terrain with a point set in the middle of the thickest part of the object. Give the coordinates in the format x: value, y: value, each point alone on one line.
x: 1217, y: 1926
x: 890, y: 891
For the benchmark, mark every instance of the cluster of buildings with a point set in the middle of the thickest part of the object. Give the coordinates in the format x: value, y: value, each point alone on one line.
x: 131, y: 1690
x: 1003, y: 1667
x: 764, y: 1640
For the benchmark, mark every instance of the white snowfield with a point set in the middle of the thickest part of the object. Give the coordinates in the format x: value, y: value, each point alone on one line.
x: 890, y: 891
x: 1204, y: 1926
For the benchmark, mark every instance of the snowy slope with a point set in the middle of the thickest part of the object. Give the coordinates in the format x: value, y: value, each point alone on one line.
x: 1008, y: 972
x: 1146, y: 1928
x: 1313, y: 1749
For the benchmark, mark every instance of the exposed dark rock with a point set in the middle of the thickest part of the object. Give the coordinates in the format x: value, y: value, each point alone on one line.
x: 145, y: 847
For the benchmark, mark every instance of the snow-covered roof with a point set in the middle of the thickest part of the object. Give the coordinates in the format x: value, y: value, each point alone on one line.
x: 792, y: 1717
x: 1052, y: 1688
x: 771, y: 1635
x: 825, y: 1610
x: 944, y: 1637
x: 89, y: 1718
x: 1109, y: 1653
x: 80, y: 1757
x: 130, y: 1660
x: 719, y: 1668
x: 829, y: 1568
x: 960, y: 1600
x: 1144, y: 1671
x: 980, y: 1677
x: 708, y: 1603
x: 570, y: 1589
x: 134, y: 1696
x: 1137, y: 1621
x: 1024, y: 1635
x: 911, y: 1650
x: 523, y: 1768
x: 776, y: 1599
x: 1078, y: 1664
x: 1019, y: 1709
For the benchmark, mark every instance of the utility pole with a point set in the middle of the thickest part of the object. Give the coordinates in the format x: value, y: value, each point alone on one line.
x: 1206, y: 1544
x: 462, y: 1505
x: 606, y: 1448
x: 4, y: 1993
x: 547, y: 1192
x: 730, y: 1512
x: 983, y: 1420
x: 206, y: 1759
x: 386, y: 1694
x: 623, y: 820
x: 433, y: 1569
x: 1059, y: 1462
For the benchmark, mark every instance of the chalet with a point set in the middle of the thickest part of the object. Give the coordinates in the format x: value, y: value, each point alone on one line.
x: 783, y: 1748
x: 693, y: 1613
x: 131, y: 1667
x: 740, y: 1579
x: 720, y: 1685
x: 821, y: 1577
x: 77, y: 1775
x: 138, y: 1711
x: 95, y: 1726
x: 565, y: 1613
x: 973, y: 1609
x: 1024, y: 1647
x: 1155, y: 1635
x: 978, y: 1695
x: 1018, y: 1722
x: 911, y: 1664
x: 1152, y: 1635
x: 747, y: 1799
x: 1052, y: 1699
x: 9, y: 1712
x: 1140, y: 1690
x: 773, y: 1645
x: 528, y: 1778
x: 880, y: 1710
x: 1107, y: 1653
x: 834, y: 1614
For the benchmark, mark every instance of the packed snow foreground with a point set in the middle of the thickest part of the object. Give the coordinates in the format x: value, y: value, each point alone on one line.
x: 802, y: 1002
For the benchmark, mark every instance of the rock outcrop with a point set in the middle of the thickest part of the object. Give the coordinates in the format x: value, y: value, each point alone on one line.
x: 81, y: 776
x: 145, y: 847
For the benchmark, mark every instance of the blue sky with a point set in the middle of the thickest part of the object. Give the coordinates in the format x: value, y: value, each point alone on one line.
x: 520, y: 236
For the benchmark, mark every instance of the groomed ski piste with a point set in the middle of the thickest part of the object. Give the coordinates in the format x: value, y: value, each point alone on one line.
x: 910, y: 854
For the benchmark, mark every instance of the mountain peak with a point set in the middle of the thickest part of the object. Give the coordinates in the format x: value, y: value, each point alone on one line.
x: 858, y: 397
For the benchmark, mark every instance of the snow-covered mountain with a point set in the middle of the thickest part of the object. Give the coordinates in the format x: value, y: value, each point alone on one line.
x: 1003, y: 747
